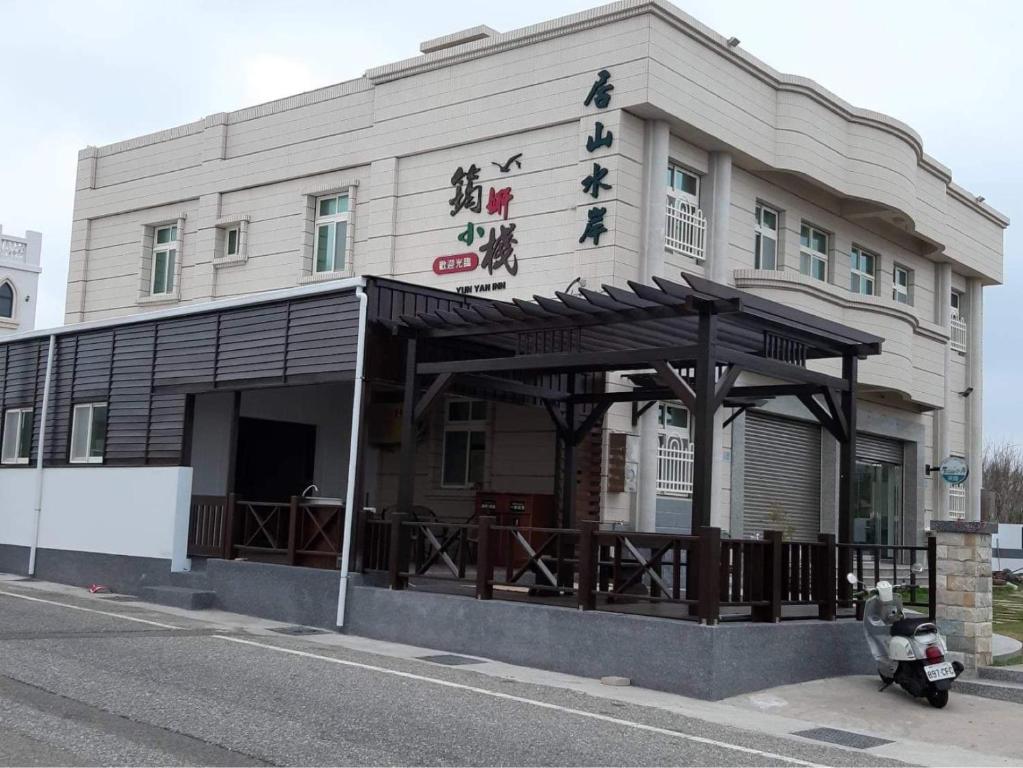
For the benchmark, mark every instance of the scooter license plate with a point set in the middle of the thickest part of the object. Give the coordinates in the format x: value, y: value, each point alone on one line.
x: 942, y: 671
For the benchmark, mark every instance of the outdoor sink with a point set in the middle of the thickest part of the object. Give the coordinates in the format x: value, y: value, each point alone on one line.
x: 321, y: 501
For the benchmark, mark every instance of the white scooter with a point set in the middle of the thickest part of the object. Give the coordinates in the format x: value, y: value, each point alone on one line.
x: 908, y: 651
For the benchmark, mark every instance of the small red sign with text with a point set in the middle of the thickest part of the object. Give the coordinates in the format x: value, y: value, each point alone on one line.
x: 456, y: 262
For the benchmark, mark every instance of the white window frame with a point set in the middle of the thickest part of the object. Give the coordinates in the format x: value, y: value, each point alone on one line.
x: 89, y: 425
x: 170, y: 252
x: 692, y: 198
x: 760, y: 232
x: 332, y: 220
x: 814, y: 256
x: 901, y: 292
x: 470, y: 426
x: 15, y: 418
x: 857, y: 274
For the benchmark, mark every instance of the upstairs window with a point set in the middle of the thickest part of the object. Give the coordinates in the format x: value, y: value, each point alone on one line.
x: 17, y: 437
x: 956, y: 305
x: 465, y: 443
x: 765, y: 245
x: 862, y: 271
x: 900, y: 285
x: 331, y: 229
x: 232, y: 241
x: 684, y: 185
x: 813, y: 252
x: 6, y: 300
x: 165, y: 253
x: 88, y: 433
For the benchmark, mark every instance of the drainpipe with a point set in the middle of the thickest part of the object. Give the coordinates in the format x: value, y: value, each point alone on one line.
x: 37, y: 512
x: 353, y: 455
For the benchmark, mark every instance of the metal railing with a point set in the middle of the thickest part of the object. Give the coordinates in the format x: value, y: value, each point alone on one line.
x: 675, y: 470
x: 957, y: 502
x: 958, y: 331
x: 685, y: 228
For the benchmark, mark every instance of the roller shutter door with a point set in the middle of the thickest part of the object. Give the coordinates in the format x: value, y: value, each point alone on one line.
x: 783, y: 476
x: 871, y: 448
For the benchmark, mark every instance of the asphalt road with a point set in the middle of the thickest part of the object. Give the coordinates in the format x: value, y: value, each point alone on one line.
x: 140, y: 687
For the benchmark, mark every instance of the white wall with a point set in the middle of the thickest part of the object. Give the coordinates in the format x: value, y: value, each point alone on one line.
x: 17, y: 498
x: 135, y: 511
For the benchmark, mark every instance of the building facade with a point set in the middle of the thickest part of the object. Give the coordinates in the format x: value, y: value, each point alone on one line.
x: 615, y: 145
x: 19, y: 280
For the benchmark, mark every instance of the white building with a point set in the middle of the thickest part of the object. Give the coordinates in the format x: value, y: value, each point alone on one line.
x: 19, y: 280
x: 614, y: 145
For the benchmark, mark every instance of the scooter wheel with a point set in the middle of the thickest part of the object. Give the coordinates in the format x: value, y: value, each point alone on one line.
x: 937, y: 699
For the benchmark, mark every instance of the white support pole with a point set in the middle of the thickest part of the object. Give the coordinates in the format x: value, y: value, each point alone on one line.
x: 353, y: 456
x: 37, y: 512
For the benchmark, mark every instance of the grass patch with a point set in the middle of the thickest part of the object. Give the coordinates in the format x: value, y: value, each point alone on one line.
x: 1008, y: 611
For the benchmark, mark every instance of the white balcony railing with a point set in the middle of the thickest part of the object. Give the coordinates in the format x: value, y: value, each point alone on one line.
x: 675, y: 469
x: 957, y: 502
x: 958, y: 334
x: 13, y: 250
x: 685, y: 229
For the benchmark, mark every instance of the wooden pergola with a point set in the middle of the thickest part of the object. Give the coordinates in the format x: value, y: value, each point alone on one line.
x: 686, y: 342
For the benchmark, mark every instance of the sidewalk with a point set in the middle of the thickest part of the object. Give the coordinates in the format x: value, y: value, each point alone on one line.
x: 970, y: 731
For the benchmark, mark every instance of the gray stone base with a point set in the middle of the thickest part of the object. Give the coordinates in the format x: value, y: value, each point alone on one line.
x: 13, y: 559
x: 119, y: 573
x: 279, y: 592
x: 179, y: 597
x: 663, y: 654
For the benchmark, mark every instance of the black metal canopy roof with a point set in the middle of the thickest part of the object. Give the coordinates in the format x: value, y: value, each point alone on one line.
x: 663, y: 315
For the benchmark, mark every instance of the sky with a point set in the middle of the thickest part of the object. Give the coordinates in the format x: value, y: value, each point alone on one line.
x: 80, y: 73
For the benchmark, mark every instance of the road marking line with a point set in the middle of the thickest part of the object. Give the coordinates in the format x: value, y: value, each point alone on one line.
x: 522, y: 700
x: 89, y: 610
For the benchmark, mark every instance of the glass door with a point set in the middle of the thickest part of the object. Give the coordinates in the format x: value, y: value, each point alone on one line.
x: 877, y: 517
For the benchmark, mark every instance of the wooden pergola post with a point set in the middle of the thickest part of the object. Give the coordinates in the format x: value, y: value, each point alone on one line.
x: 407, y: 462
x: 847, y: 473
x: 703, y: 420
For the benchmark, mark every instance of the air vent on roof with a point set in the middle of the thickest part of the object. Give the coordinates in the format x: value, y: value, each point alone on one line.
x: 471, y: 35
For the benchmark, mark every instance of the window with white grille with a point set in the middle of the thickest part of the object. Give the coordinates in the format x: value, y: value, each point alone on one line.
x: 813, y: 252
x: 765, y: 238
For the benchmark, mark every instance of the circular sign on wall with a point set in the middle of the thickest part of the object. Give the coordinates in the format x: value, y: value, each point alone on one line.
x: 954, y: 470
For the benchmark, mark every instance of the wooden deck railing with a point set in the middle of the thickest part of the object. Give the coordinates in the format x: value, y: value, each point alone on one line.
x: 699, y: 577
x: 293, y: 532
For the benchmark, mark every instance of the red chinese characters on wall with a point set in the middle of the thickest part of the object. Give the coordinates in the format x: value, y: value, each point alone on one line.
x: 456, y: 262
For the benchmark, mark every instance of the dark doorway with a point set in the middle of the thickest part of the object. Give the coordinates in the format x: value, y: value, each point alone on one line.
x: 275, y: 459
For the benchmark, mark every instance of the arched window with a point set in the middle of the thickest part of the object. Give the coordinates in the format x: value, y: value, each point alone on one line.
x: 6, y: 300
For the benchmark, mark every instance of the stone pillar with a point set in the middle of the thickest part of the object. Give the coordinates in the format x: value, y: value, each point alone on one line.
x: 655, y: 166
x: 718, y: 193
x: 941, y: 421
x: 963, y: 607
x: 975, y: 401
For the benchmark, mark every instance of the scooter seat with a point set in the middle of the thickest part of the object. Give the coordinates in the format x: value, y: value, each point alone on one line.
x: 907, y: 627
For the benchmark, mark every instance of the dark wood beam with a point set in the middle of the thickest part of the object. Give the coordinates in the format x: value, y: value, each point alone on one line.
x: 822, y: 415
x: 437, y: 388
x: 559, y: 421
x: 780, y: 370
x: 847, y: 471
x: 589, y: 422
x: 407, y: 457
x: 619, y: 360
x: 508, y: 386
x: 833, y: 400
x: 725, y: 383
x: 703, y: 421
x: 678, y: 386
